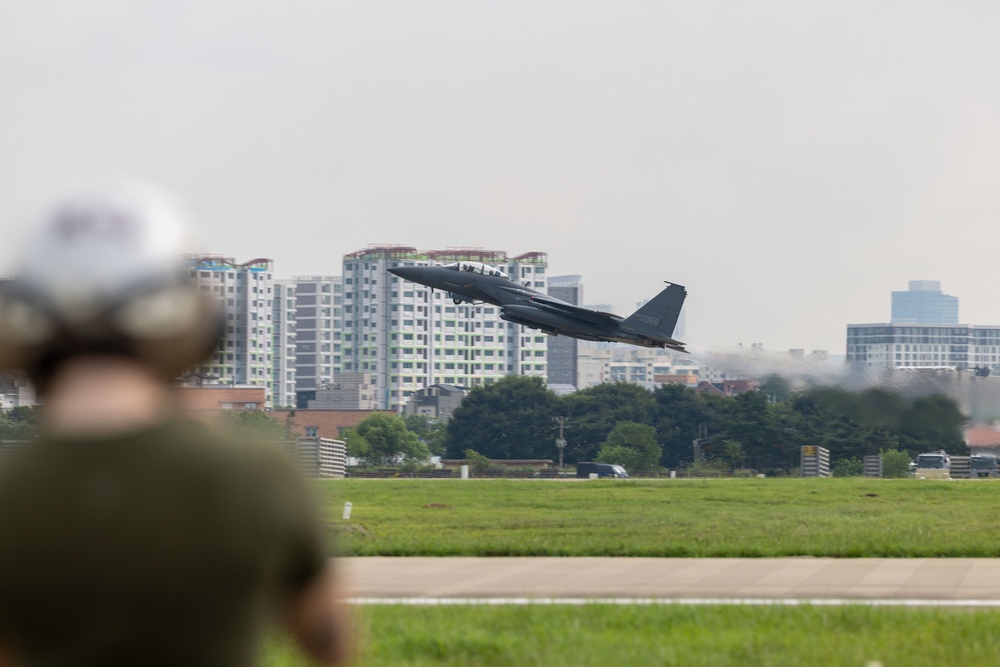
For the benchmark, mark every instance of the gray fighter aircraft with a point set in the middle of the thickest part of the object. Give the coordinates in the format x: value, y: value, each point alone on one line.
x: 469, y: 282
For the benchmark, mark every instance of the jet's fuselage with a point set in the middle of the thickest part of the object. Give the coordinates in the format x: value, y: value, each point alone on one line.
x: 651, y: 326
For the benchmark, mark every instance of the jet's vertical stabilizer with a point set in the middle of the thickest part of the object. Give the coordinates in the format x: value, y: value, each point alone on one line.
x: 658, y: 317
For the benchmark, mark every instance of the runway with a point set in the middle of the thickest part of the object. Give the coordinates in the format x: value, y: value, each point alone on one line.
x: 972, y: 582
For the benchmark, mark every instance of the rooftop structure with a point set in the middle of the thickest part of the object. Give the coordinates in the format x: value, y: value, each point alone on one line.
x: 924, y: 303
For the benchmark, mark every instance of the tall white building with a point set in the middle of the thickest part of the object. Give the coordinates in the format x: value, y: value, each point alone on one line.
x: 283, y: 352
x: 409, y: 336
x: 308, y: 343
x: 246, y: 290
x: 318, y: 317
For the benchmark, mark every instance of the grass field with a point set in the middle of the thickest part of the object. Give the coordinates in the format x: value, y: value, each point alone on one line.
x: 745, y: 517
x: 726, y: 636
x: 848, y: 517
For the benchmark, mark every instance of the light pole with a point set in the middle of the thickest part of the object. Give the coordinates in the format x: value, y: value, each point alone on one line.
x: 561, y: 441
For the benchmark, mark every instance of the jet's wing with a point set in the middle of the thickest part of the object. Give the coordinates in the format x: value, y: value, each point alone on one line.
x: 554, y: 305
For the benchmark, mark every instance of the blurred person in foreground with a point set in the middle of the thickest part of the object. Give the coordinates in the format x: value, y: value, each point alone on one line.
x: 129, y: 537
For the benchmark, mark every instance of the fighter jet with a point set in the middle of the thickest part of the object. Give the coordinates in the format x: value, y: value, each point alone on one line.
x: 470, y: 282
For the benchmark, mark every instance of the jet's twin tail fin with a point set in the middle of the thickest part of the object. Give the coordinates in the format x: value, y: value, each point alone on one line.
x: 658, y: 317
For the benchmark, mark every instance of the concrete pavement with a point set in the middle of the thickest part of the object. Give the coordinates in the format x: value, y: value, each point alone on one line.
x: 972, y: 580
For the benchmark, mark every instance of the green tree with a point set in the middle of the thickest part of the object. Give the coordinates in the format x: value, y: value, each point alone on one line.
x: 733, y: 452
x: 895, y: 463
x: 934, y: 422
x: 764, y: 430
x: 879, y: 408
x: 478, y: 463
x: 14, y: 428
x: 627, y: 457
x: 357, y: 447
x: 640, y: 438
x: 593, y: 413
x: 382, y: 439
x: 430, y: 431
x: 680, y: 414
x: 858, y: 424
x: 509, y: 419
x: 24, y: 414
x: 715, y: 466
x: 848, y: 467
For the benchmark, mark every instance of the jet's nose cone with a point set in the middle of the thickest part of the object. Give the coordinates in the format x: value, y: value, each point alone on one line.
x: 412, y: 273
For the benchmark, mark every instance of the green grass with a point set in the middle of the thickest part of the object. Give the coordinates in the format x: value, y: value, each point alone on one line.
x: 676, y: 518
x: 724, y: 636
x: 756, y: 517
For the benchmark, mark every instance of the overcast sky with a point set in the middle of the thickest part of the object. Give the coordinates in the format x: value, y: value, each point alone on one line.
x: 791, y: 163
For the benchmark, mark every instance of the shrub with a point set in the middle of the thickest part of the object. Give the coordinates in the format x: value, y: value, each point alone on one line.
x: 895, y: 463
x: 478, y: 463
x: 848, y: 467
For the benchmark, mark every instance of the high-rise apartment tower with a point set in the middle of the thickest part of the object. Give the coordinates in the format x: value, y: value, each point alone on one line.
x: 246, y: 291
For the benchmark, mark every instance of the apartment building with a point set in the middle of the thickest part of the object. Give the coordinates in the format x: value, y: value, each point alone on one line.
x: 616, y: 362
x: 244, y: 355
x: 283, y: 353
x: 318, y: 319
x: 960, y: 346
x: 924, y: 333
x: 349, y: 391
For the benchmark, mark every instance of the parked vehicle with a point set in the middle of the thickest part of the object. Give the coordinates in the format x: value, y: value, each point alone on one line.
x: 983, y: 465
x: 933, y: 465
x: 584, y: 470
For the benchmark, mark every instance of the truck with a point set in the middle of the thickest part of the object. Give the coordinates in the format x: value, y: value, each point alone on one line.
x: 983, y: 466
x: 584, y: 470
x: 933, y: 465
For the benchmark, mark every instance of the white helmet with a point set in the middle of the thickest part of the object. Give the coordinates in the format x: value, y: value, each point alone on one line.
x: 103, y: 273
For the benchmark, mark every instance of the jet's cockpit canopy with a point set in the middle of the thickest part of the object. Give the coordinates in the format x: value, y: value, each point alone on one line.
x: 477, y: 267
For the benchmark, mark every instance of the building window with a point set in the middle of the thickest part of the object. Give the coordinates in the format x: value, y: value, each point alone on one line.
x: 312, y: 431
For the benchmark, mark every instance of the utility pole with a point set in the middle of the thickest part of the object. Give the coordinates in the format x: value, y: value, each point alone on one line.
x: 561, y: 441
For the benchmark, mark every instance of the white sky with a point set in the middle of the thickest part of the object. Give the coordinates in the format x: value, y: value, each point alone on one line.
x: 791, y: 163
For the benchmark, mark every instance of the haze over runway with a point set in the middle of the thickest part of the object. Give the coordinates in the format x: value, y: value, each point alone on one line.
x: 791, y: 163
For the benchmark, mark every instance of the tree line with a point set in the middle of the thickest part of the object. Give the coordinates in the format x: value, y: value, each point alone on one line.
x: 19, y: 423
x: 513, y: 418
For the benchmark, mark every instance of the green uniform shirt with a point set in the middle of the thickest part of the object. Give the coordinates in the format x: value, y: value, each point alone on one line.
x: 169, y: 546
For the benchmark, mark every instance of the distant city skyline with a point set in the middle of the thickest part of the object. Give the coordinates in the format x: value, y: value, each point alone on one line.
x: 789, y: 163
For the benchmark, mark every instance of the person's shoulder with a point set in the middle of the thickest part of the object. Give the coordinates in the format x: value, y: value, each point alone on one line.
x: 14, y: 462
x: 178, y: 438
x: 256, y: 454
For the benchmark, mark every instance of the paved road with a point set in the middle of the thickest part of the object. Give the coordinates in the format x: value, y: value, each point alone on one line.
x: 963, y: 580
